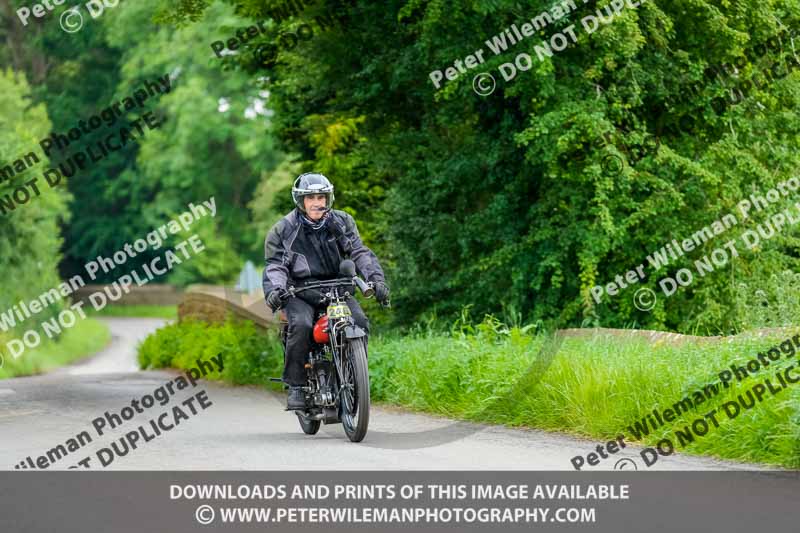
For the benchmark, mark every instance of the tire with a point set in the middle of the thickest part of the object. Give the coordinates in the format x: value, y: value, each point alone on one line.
x: 355, y: 407
x: 310, y: 427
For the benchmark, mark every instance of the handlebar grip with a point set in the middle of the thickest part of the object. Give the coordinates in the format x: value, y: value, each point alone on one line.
x: 365, y: 288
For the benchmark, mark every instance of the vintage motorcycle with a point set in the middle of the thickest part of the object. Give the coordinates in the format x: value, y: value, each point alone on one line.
x: 337, y: 388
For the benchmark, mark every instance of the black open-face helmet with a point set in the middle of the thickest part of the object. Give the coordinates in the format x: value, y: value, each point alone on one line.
x: 312, y: 183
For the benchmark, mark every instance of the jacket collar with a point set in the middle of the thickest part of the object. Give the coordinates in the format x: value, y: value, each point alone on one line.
x: 311, y: 224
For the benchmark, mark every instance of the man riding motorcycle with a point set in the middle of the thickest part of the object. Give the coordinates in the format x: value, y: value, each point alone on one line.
x: 307, y: 245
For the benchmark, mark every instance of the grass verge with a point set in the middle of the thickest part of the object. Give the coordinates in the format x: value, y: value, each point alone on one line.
x: 596, y: 388
x: 87, y: 337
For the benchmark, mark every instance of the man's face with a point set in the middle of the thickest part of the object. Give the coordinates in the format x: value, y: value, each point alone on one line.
x: 315, y: 205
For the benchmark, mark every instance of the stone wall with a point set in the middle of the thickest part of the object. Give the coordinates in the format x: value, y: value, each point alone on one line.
x: 212, y: 304
x: 145, y: 295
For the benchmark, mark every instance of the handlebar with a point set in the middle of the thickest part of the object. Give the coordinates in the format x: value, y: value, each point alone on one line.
x: 366, y: 288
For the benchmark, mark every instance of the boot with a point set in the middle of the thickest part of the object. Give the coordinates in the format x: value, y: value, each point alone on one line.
x: 296, y: 399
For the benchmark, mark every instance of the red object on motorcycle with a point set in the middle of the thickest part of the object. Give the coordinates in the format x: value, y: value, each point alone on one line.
x: 321, y: 330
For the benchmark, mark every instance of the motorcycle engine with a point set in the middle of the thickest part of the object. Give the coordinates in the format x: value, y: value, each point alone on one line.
x: 324, y: 395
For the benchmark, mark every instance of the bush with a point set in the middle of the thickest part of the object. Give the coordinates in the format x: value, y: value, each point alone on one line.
x: 774, y: 302
x: 250, y: 356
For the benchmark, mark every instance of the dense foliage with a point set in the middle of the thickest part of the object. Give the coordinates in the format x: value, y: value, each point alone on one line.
x: 502, y: 202
x: 29, y: 233
x: 214, y: 140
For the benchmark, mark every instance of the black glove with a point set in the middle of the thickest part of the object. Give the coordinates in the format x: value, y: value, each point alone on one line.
x: 276, y: 299
x: 381, y: 292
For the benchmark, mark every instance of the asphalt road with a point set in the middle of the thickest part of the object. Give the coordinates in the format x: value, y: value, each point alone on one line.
x: 246, y: 428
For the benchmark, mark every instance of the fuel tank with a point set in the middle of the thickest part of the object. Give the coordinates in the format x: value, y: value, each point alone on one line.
x: 321, y: 330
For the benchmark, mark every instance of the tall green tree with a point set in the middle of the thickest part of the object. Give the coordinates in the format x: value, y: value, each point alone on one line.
x: 29, y: 232
x: 215, y: 140
x: 74, y: 75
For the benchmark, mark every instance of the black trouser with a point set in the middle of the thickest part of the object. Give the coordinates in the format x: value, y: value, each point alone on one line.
x: 299, y: 336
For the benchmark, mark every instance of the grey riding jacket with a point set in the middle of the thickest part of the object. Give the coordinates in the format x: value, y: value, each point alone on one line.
x: 289, y: 246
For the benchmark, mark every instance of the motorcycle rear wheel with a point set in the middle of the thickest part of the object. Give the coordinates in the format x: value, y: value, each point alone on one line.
x: 355, y: 396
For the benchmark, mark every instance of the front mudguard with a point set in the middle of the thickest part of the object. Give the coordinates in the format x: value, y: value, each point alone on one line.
x: 354, y: 332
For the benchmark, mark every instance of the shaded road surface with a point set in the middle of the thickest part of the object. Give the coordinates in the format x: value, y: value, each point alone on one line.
x: 246, y: 428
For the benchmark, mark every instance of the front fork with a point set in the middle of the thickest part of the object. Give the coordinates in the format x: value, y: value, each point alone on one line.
x: 321, y: 383
x: 345, y: 332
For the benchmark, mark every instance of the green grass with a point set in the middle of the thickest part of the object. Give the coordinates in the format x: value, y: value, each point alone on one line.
x: 138, y: 311
x: 86, y: 338
x: 592, y: 388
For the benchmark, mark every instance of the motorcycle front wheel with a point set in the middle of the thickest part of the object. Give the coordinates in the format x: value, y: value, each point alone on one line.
x: 355, y: 390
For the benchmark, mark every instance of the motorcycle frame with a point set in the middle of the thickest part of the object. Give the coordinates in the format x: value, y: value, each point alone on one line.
x: 337, y: 333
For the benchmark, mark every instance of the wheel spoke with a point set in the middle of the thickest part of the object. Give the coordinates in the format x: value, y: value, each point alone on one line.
x: 353, y: 386
x: 349, y: 390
